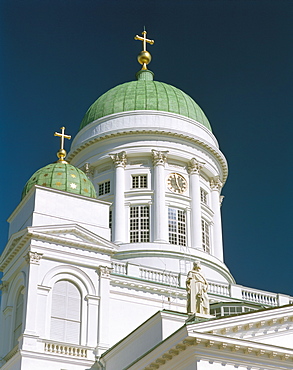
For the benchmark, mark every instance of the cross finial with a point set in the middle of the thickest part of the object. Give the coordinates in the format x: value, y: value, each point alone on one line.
x: 61, y: 154
x: 144, y: 56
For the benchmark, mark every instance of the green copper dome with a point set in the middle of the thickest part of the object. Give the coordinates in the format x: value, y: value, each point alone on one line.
x: 145, y: 94
x: 61, y: 176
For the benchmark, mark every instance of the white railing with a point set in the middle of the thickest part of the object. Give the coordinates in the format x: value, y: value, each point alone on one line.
x: 259, y: 297
x: 163, y: 277
x: 119, y: 268
x: 63, y: 349
x: 221, y: 289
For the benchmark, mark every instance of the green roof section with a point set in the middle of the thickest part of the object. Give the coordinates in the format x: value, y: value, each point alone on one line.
x: 62, y: 176
x: 145, y: 94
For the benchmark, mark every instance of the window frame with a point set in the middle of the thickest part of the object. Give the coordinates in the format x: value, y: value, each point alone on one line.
x: 175, y: 225
x: 139, y: 223
x: 142, y: 179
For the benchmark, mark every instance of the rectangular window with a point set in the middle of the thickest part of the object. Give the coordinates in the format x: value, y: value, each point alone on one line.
x: 203, y: 196
x: 205, y: 228
x: 139, y: 181
x: 104, y: 188
x: 139, y: 224
x: 177, y: 226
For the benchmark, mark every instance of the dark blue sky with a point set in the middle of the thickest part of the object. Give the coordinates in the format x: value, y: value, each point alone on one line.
x: 233, y: 57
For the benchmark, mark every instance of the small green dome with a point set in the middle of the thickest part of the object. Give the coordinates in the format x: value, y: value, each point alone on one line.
x: 145, y: 94
x: 61, y: 176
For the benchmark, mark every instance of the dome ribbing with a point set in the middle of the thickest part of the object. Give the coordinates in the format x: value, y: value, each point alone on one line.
x: 145, y: 94
x: 61, y: 176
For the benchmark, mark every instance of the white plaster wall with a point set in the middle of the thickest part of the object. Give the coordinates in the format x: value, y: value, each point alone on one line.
x: 147, y: 120
x: 44, y: 206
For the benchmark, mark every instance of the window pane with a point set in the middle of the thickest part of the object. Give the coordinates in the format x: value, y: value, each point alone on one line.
x: 177, y: 226
x: 139, y: 181
x: 139, y: 224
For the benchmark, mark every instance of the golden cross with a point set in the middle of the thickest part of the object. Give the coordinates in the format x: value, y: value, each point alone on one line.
x: 144, y: 40
x: 62, y: 137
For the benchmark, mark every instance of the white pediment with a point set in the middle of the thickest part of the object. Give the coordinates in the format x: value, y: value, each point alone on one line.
x: 67, y: 235
x: 72, y: 234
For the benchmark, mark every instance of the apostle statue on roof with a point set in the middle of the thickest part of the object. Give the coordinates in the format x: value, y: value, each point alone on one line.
x: 197, y: 288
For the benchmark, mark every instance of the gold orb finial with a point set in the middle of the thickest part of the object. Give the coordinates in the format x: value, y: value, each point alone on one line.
x: 61, y: 154
x: 144, y: 57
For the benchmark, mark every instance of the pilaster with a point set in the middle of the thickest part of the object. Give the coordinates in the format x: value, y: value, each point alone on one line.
x: 104, y: 309
x: 31, y: 301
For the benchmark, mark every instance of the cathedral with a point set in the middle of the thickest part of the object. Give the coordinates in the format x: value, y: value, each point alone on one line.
x: 115, y: 256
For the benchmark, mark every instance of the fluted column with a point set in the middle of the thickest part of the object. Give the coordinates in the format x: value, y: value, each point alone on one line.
x: 216, y: 186
x: 160, y: 210
x: 194, y: 168
x: 119, y: 160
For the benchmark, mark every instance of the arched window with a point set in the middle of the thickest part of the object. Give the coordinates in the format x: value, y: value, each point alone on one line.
x: 18, y: 319
x: 66, y: 312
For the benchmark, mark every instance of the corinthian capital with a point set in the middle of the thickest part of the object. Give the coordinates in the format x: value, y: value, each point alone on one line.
x: 194, y: 166
x: 33, y: 257
x: 104, y: 271
x: 119, y: 159
x: 159, y: 157
x: 216, y: 184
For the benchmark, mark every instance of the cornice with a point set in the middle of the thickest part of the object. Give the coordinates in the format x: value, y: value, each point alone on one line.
x: 212, y: 348
x: 49, y: 234
x: 213, y: 150
x: 147, y: 286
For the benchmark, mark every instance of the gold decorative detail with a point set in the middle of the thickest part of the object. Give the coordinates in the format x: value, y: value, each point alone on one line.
x: 144, y: 57
x: 58, y: 183
x: 61, y: 154
x: 72, y: 175
x: 73, y: 186
x: 85, y: 190
x: 44, y: 184
x: 177, y: 183
x: 59, y: 173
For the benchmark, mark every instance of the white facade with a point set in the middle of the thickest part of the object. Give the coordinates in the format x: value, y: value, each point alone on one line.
x: 80, y: 274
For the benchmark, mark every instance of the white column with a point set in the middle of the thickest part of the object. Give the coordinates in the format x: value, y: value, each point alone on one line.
x: 194, y: 168
x: 216, y: 186
x: 118, y: 227
x: 104, y: 310
x: 160, y: 210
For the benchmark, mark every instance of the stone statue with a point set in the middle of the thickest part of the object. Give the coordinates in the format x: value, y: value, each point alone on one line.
x: 197, y: 287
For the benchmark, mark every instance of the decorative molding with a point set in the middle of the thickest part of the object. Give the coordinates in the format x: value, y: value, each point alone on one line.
x: 119, y: 159
x: 194, y: 166
x: 216, y: 184
x: 221, y: 199
x: 212, y: 149
x: 33, y: 257
x: 159, y: 157
x: 4, y: 286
